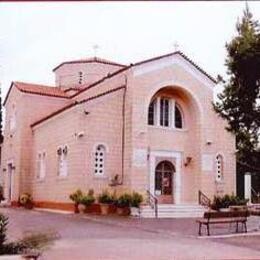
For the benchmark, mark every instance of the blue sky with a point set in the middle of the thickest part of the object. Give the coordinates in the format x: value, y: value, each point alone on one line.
x: 35, y: 37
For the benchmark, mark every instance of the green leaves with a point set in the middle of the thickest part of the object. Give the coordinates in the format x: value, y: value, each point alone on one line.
x: 239, y: 102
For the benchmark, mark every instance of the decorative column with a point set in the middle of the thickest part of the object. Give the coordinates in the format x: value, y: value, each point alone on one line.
x: 152, y: 174
x: 247, y: 186
x: 177, y: 195
x: 172, y: 114
x: 158, y: 111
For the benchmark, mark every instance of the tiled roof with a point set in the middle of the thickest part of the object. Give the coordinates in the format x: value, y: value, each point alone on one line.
x: 184, y: 56
x: 37, y: 89
x: 40, y: 89
x: 75, y: 103
x: 90, y: 60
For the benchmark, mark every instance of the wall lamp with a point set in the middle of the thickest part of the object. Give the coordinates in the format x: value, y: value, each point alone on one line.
x: 187, y: 161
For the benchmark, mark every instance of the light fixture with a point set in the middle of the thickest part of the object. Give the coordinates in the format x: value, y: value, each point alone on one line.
x: 187, y: 161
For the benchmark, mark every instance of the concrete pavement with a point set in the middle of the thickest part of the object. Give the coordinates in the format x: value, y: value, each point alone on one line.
x: 95, y: 237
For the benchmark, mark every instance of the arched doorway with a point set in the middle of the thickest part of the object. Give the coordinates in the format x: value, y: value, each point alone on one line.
x: 164, y: 172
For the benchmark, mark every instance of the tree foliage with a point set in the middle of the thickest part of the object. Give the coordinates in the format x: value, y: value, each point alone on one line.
x: 1, y: 118
x: 239, y: 103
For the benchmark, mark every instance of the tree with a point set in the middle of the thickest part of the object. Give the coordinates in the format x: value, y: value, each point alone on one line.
x: 1, y: 118
x: 239, y: 103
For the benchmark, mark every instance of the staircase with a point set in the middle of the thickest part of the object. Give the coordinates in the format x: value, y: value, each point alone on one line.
x: 173, y: 211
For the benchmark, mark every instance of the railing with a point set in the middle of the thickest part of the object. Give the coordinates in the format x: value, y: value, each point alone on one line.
x: 204, y: 200
x: 153, y: 201
x: 255, y: 196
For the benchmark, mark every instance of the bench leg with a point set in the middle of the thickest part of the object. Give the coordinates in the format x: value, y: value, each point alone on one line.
x: 208, y: 229
x: 199, y: 229
x: 245, y: 226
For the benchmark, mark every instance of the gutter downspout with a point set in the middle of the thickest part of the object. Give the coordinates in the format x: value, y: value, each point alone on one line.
x: 123, y: 132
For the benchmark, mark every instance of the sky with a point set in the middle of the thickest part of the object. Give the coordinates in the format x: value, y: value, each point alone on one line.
x: 36, y: 37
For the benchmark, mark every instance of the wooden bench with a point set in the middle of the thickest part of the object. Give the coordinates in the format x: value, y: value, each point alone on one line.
x: 215, y: 217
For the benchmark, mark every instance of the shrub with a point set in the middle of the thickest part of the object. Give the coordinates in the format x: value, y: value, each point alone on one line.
x: 136, y: 199
x: 124, y: 200
x: 76, y: 196
x: 88, y: 199
x: 105, y: 198
x: 25, y: 199
x: 226, y: 201
x: 3, y: 229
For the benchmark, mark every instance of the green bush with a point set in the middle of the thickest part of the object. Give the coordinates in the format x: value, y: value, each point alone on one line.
x: 76, y: 196
x: 105, y: 198
x: 124, y: 200
x: 136, y: 199
x: 226, y: 201
x: 88, y: 199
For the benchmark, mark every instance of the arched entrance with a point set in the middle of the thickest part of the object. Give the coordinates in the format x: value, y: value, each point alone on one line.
x: 164, y: 172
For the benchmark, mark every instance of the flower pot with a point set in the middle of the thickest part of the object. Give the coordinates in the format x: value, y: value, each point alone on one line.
x: 135, y: 212
x: 76, y: 209
x: 28, y: 205
x: 104, y: 208
x: 123, y: 211
x: 224, y: 209
x: 81, y: 208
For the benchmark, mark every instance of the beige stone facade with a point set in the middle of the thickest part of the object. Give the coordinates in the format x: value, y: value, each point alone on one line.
x: 151, y: 123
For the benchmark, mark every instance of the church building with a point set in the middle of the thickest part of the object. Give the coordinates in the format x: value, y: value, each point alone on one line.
x: 149, y: 126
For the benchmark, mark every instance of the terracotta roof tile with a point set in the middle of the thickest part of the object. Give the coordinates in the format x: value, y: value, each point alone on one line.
x: 90, y: 60
x: 40, y: 89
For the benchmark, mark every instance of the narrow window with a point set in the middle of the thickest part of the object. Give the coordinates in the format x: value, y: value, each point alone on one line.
x: 38, y: 170
x: 219, y: 168
x: 62, y: 161
x: 151, y: 113
x: 41, y: 165
x: 80, y: 77
x: 12, y: 121
x: 99, y: 163
x: 178, y: 118
x: 164, y: 112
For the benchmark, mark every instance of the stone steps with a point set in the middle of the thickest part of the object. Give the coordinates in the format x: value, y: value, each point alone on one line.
x: 174, y: 211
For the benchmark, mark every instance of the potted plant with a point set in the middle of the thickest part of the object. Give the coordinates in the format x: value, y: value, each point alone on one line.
x: 76, y: 197
x: 136, y: 200
x: 26, y: 201
x: 86, y: 201
x: 123, y: 204
x: 105, y: 200
x: 223, y: 203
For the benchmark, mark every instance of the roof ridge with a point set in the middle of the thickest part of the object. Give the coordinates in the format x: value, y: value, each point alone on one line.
x: 90, y: 60
x: 35, y: 84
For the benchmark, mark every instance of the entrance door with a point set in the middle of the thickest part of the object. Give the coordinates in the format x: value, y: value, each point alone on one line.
x: 164, y: 182
x: 10, y: 181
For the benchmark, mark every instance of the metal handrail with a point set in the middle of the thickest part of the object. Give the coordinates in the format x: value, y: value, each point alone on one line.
x: 256, y: 194
x: 204, y: 200
x: 153, y: 201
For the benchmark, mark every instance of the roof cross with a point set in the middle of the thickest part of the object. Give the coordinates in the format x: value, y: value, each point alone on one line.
x: 176, y: 46
x: 95, y: 49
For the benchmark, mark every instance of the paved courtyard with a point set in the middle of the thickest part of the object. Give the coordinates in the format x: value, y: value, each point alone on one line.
x: 97, y: 237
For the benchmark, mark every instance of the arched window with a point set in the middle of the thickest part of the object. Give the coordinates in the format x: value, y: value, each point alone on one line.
x: 178, y: 117
x: 219, y: 168
x: 151, y: 113
x: 164, y: 112
x: 100, y: 154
